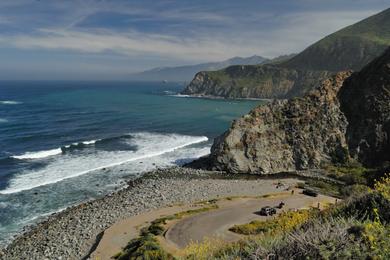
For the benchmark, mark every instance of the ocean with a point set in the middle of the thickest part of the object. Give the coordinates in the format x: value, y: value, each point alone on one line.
x: 63, y: 143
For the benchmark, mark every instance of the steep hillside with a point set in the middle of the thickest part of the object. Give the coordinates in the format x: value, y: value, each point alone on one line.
x: 186, y: 73
x: 365, y: 101
x: 350, y: 48
x: 328, y: 125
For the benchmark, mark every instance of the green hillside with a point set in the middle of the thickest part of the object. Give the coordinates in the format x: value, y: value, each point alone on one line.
x: 350, y: 48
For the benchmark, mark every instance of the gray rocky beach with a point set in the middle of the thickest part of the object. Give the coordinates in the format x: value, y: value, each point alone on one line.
x: 72, y: 233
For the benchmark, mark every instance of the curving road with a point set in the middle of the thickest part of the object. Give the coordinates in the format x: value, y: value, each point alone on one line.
x: 215, y: 223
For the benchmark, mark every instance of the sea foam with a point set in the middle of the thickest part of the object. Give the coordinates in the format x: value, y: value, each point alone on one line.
x: 38, y: 155
x: 82, y: 143
x: 67, y: 166
x: 51, y: 152
x: 180, y: 95
x: 10, y: 102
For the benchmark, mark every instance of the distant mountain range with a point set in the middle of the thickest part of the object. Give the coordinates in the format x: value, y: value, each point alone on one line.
x: 186, y: 73
x: 348, y: 49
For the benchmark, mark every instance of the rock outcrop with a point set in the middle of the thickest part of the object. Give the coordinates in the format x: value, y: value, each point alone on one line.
x: 346, y: 116
x: 260, y: 81
x: 286, y: 135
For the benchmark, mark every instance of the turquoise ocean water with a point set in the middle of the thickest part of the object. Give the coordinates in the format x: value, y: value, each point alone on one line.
x: 62, y: 143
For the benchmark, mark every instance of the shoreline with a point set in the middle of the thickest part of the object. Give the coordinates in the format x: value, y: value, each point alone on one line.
x: 73, y: 232
x: 220, y: 98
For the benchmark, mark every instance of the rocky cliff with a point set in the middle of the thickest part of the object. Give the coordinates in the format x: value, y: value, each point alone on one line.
x: 286, y: 135
x: 262, y: 81
x: 346, y: 116
x: 365, y: 101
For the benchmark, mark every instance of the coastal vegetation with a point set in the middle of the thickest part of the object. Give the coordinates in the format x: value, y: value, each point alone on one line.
x: 358, y: 227
x: 284, y: 222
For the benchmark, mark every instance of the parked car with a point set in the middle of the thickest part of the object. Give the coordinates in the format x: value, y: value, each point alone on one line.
x: 267, y: 211
x: 310, y: 192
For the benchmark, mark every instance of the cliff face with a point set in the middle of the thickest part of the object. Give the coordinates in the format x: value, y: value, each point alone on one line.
x: 346, y: 116
x: 262, y: 81
x: 286, y: 135
x: 365, y: 101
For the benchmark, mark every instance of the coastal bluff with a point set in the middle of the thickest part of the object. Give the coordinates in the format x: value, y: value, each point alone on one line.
x: 346, y: 117
x: 254, y: 81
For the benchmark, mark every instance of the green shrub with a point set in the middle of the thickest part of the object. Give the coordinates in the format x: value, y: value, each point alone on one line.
x: 327, y: 188
x: 144, y: 247
x: 354, y: 190
x: 363, y: 207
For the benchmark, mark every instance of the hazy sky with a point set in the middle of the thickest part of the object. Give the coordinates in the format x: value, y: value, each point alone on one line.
x: 97, y: 39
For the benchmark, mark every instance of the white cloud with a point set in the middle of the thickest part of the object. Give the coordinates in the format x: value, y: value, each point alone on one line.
x: 294, y: 32
x: 131, y: 43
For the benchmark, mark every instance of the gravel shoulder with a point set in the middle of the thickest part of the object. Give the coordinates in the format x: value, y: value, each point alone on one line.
x: 72, y: 233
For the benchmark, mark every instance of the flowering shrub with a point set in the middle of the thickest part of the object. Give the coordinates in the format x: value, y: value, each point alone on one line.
x: 286, y: 221
x: 383, y: 186
x: 203, y: 250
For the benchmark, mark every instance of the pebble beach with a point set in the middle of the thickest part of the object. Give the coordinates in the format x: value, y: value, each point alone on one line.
x: 75, y: 232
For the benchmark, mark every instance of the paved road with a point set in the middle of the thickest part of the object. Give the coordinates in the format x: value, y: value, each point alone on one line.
x: 216, y: 223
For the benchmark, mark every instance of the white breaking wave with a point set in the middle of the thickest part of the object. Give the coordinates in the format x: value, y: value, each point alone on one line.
x: 85, y: 143
x: 9, y: 102
x: 38, y: 155
x: 47, y: 153
x: 180, y: 95
x: 69, y: 166
x: 90, y: 142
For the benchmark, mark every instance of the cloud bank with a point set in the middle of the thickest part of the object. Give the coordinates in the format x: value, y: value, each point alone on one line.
x: 167, y: 32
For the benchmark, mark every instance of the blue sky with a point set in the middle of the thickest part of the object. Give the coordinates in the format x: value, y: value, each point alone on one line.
x: 98, y: 39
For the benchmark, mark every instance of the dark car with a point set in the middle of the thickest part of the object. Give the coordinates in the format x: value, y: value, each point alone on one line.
x: 267, y: 211
x: 310, y: 192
